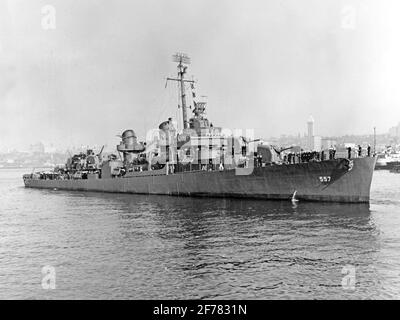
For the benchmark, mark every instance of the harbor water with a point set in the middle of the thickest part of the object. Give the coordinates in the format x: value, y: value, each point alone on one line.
x: 118, y: 246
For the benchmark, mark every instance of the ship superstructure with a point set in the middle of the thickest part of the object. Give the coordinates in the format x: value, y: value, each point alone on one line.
x: 204, y: 160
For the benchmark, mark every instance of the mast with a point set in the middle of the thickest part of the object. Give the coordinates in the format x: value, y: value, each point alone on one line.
x: 183, y: 60
x: 181, y: 75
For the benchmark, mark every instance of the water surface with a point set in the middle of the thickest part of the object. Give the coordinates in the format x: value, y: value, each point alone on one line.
x: 115, y: 246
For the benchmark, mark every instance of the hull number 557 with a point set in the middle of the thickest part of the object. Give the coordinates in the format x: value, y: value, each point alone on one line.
x: 325, y: 179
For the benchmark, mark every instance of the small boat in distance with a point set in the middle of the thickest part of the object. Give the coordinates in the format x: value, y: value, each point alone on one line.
x: 386, y: 161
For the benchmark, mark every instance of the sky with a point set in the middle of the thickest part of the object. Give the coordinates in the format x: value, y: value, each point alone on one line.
x: 267, y: 65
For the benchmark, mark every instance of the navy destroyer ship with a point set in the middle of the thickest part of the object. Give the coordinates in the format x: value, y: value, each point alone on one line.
x: 204, y: 160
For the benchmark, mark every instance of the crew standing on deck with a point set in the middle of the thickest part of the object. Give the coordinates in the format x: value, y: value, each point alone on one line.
x: 330, y: 153
x: 349, y: 152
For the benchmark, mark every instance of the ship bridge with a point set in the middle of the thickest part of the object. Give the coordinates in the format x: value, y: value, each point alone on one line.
x: 200, y: 124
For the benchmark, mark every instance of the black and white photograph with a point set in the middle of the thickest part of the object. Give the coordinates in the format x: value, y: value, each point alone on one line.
x: 199, y: 150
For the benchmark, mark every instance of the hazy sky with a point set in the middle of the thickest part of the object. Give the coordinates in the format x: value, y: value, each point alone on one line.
x: 265, y: 65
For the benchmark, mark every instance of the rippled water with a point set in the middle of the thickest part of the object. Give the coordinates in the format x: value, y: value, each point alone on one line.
x: 157, y: 247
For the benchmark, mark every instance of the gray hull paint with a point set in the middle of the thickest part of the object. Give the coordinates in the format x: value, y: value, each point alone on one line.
x: 272, y: 182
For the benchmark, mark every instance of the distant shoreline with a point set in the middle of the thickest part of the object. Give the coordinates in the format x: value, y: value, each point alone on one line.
x: 38, y: 167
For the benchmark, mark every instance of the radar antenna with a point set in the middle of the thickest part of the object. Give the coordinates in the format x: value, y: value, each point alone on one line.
x: 183, y: 60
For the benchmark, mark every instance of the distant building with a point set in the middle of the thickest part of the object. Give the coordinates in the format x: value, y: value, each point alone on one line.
x: 50, y: 149
x: 326, y: 143
x: 394, y: 132
x: 317, y: 143
x: 310, y: 133
x: 37, y: 148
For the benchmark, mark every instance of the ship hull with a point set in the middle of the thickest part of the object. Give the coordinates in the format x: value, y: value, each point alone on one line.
x: 326, y: 181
